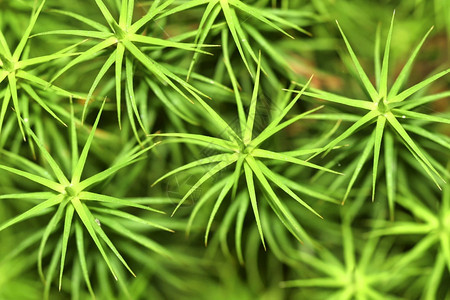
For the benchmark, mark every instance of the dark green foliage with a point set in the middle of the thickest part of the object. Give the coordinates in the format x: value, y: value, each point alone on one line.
x: 306, y: 144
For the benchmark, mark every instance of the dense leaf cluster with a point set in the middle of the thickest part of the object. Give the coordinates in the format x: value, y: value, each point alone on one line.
x: 134, y: 133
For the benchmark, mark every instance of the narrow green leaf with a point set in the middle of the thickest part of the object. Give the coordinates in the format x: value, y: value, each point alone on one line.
x: 45, y: 84
x: 108, y: 63
x: 130, y: 11
x: 35, y: 178
x: 155, y: 9
x: 262, y: 16
x: 204, y: 198
x: 236, y: 176
x: 88, y: 225
x: 24, y: 39
x: 51, y: 270
x: 138, y: 238
x: 377, y: 56
x: 13, y: 88
x: 435, y: 278
x: 385, y: 66
x: 325, y: 282
x: 419, y: 209
x: 73, y: 138
x: 120, y: 51
x: 339, y: 99
x: 270, y: 175
x: 234, y: 82
x: 130, y: 217
x: 153, y: 67
x: 82, y: 255
x: 403, y: 228
x: 178, y: 8
x: 105, y: 12
x: 361, y: 122
x: 30, y: 91
x: 55, y: 200
x: 327, y: 263
x: 402, y: 132
x: 47, y: 232
x: 221, y: 123
x: 226, y: 188
x: 270, y: 130
x: 231, y: 25
x: 303, y: 188
x: 105, y: 238
x: 34, y: 196
x: 78, y: 170
x: 381, y: 121
x: 85, y: 55
x: 362, y: 159
x: 420, y: 249
x: 423, y: 165
x: 4, y: 45
x: 403, y: 76
x: 284, y: 215
x: 6, y: 99
x: 49, y: 159
x: 217, y: 168
x: 41, y: 59
x: 409, y: 104
x: 82, y: 19
x: 283, y: 157
x: 362, y: 75
x: 200, y: 162
x: 148, y: 40
x: 300, y: 152
x: 130, y: 90
x: 348, y: 247
x: 445, y: 247
x: 253, y: 200
x: 252, y: 111
x: 225, y: 227
x: 209, y: 16
x: 112, y: 170
x: 242, y: 212
x: 65, y: 240
x: 391, y: 170
x: 3, y: 75
x: 207, y: 139
x: 244, y: 38
x: 88, y: 196
x: 291, y: 104
x: 161, y: 95
x: 123, y: 13
x: 27, y: 165
x: 421, y: 116
x: 410, y: 91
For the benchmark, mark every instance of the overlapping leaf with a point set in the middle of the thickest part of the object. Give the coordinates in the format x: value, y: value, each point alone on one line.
x: 243, y: 151
x: 391, y: 107
x: 71, y: 201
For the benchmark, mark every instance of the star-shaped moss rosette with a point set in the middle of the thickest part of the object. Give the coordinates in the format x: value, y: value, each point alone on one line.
x: 123, y: 43
x: 364, y: 273
x: 364, y: 269
x: 393, y: 107
x: 229, y: 8
x: 15, y: 69
x: 66, y: 198
x: 430, y: 221
x: 243, y: 151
